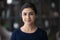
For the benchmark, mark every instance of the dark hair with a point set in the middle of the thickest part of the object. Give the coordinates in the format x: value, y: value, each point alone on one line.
x: 29, y: 5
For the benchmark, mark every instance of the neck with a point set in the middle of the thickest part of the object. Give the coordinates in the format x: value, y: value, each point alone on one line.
x: 29, y: 26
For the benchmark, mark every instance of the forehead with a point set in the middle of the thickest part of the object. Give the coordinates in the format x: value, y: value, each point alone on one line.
x: 27, y: 10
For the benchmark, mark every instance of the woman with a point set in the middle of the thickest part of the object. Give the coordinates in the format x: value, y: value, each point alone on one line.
x: 29, y: 31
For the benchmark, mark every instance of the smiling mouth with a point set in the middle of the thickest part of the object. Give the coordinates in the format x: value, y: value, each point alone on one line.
x: 28, y: 20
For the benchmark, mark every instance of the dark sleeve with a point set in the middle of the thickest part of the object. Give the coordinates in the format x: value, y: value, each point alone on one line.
x: 13, y: 36
x: 45, y: 37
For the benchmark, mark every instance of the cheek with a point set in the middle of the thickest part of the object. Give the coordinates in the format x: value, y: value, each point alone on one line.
x: 33, y: 18
x: 23, y: 18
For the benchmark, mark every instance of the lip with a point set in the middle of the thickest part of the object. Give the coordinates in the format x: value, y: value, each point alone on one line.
x: 28, y: 20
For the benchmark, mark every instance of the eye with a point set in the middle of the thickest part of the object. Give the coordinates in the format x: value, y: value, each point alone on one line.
x: 25, y: 14
x: 31, y: 13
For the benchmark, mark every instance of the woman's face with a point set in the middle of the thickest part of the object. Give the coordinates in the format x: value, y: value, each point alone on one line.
x: 28, y: 16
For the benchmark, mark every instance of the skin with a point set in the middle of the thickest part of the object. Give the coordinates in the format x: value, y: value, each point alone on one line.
x: 28, y: 17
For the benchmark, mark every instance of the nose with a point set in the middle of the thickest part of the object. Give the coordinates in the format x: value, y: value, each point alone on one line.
x: 28, y: 16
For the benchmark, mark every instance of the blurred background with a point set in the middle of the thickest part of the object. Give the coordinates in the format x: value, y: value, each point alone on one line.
x: 48, y: 17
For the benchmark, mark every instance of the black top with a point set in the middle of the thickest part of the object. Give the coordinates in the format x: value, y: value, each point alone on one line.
x: 39, y: 34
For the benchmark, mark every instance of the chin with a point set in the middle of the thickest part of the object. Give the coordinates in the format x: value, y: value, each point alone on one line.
x: 29, y: 23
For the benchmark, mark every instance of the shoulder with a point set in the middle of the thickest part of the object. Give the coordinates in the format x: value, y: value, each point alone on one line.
x: 15, y: 31
x: 43, y: 34
x: 42, y: 31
